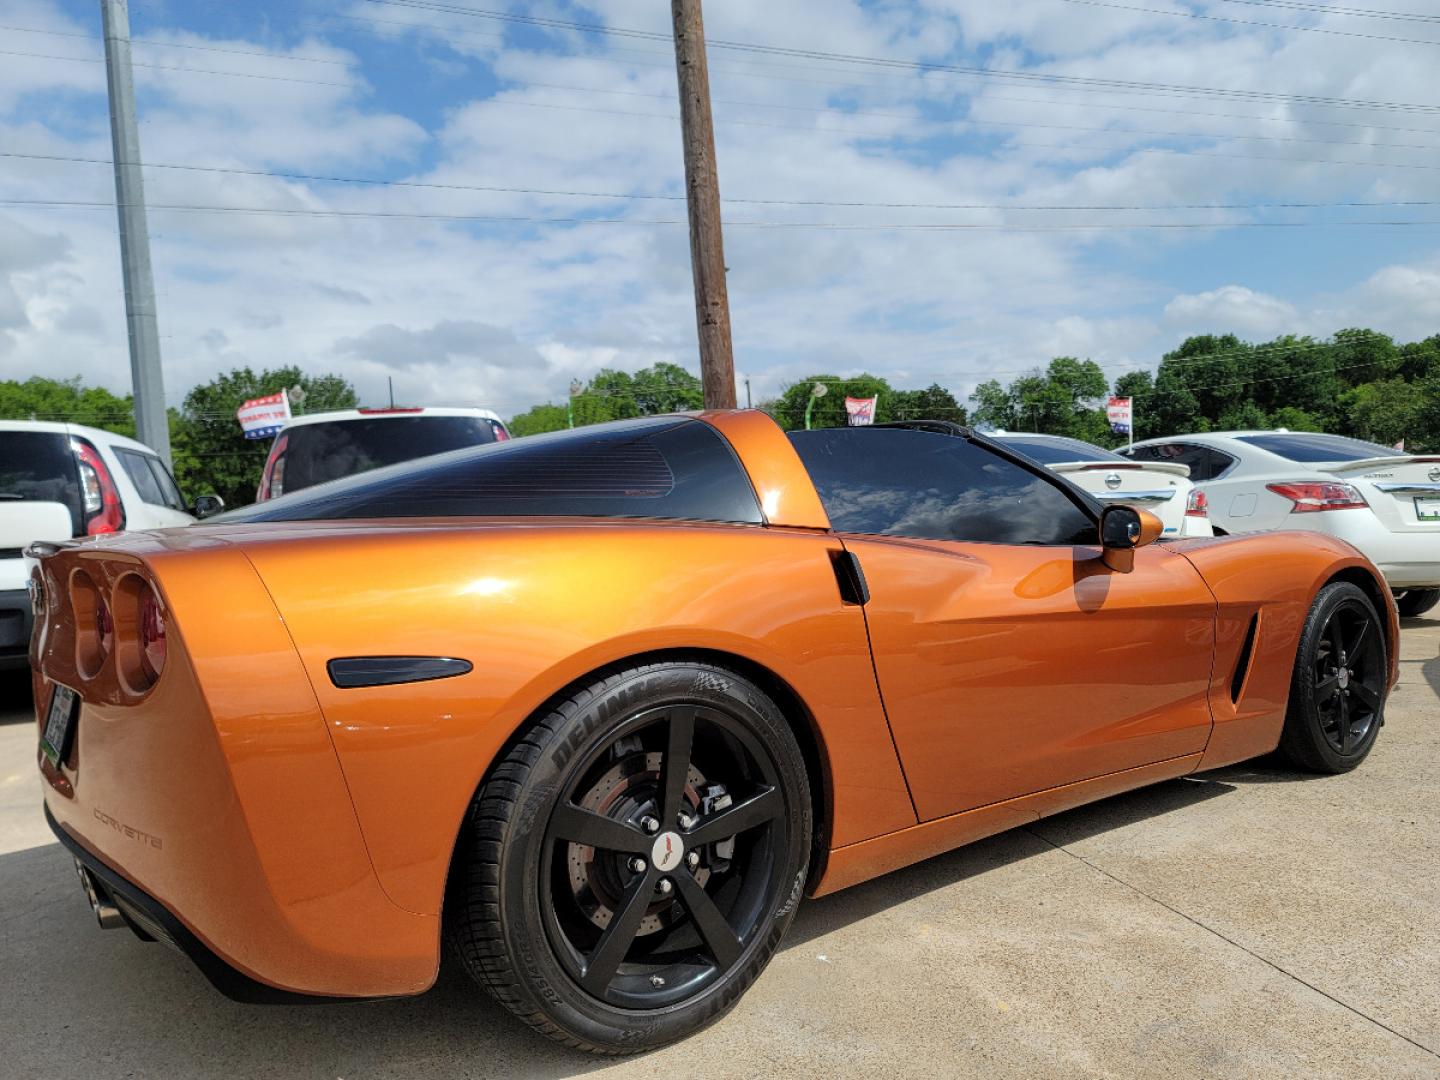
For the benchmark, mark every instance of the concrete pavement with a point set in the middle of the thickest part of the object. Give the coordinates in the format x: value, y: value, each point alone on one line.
x: 1247, y: 923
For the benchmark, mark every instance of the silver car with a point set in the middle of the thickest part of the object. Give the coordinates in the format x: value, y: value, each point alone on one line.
x: 1384, y: 501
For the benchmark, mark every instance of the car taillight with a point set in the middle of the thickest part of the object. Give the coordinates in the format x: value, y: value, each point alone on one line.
x: 152, y: 634
x: 1198, y: 504
x: 103, y: 511
x: 501, y: 435
x: 1312, y: 497
x: 272, y: 480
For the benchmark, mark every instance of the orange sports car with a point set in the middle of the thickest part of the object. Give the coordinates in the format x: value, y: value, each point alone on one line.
x: 600, y: 707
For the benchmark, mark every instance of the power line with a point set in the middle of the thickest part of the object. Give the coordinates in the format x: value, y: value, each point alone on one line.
x: 659, y: 196
x: 1122, y: 85
x: 1251, y: 22
x: 191, y: 70
x: 1327, y: 9
x: 156, y: 43
x: 791, y: 225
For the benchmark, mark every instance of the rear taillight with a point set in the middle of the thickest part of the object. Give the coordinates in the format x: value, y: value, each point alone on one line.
x: 501, y: 435
x: 272, y: 480
x: 103, y: 511
x: 1198, y: 505
x: 152, y: 634
x: 1310, y: 498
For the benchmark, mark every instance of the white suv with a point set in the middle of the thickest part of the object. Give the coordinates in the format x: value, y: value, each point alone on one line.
x: 59, y: 481
x: 1383, y: 501
x: 312, y: 450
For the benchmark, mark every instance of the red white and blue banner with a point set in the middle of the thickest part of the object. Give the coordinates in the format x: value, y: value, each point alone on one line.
x: 1120, y: 412
x: 263, y: 417
x: 861, y: 410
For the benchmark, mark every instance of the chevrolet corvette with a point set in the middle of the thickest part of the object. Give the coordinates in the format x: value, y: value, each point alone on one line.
x: 600, y: 708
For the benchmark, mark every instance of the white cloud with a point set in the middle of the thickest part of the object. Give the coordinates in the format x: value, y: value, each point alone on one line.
x: 1231, y: 309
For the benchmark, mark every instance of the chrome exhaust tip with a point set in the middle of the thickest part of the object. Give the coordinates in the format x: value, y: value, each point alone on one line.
x: 106, y: 913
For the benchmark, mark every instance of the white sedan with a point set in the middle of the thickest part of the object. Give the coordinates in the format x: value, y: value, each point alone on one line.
x: 1384, y: 501
x: 1162, y: 488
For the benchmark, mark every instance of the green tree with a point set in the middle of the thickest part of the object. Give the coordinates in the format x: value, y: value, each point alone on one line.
x: 932, y: 403
x: 538, y: 420
x: 1386, y: 412
x: 66, y: 401
x: 1139, y: 387
x: 211, y: 453
x: 829, y: 410
x: 1063, y: 399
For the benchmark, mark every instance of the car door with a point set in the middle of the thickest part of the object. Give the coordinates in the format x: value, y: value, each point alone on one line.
x: 1009, y: 658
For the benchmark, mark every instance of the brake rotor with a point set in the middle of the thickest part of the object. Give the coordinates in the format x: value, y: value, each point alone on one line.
x: 626, y: 791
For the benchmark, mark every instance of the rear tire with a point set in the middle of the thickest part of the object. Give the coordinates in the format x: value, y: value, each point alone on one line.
x: 1413, y: 602
x: 1337, y: 692
x: 630, y: 865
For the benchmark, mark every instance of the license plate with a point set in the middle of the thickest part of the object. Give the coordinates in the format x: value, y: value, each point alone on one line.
x: 59, y: 719
x: 1427, y: 509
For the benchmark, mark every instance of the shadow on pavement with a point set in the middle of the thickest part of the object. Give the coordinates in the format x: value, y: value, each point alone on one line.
x: 127, y: 1008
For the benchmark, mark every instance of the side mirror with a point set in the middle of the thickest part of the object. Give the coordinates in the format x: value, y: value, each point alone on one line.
x: 207, y: 506
x: 1122, y: 530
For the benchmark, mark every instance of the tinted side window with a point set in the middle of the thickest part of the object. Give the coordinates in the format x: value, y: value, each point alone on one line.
x: 137, y: 468
x: 1212, y: 465
x: 650, y: 468
x: 1205, y: 463
x: 40, y: 466
x: 896, y: 482
x: 169, y: 490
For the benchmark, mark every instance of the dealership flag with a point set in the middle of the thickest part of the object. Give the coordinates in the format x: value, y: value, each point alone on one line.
x: 1119, y: 411
x: 861, y: 410
x: 262, y: 417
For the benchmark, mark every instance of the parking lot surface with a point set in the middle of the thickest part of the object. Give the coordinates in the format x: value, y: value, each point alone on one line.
x: 1246, y: 923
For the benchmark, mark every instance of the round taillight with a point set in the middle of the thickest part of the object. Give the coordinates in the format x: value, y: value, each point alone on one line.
x: 152, y: 634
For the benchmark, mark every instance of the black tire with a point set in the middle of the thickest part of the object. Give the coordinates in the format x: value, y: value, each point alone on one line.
x: 531, y: 911
x: 1413, y: 602
x: 1337, y: 692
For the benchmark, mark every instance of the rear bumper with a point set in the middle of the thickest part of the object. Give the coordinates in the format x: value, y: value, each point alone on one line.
x: 150, y: 920
x: 16, y: 621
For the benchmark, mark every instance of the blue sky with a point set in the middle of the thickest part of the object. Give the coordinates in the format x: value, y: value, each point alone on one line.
x: 830, y: 168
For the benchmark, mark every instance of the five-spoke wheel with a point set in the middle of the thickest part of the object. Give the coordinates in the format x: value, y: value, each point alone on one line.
x: 1337, y: 694
x: 631, y: 864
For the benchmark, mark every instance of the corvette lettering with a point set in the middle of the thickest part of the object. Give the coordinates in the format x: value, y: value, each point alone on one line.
x: 148, y: 839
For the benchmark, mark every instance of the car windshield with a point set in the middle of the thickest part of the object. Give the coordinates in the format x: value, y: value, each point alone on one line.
x: 1055, y: 449
x: 1304, y: 446
x: 38, y: 466
x: 317, y: 453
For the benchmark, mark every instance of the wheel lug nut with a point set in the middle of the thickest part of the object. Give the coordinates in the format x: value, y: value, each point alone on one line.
x: 657, y: 981
x: 637, y: 865
x: 665, y: 886
x: 686, y: 821
x: 692, y: 860
x: 650, y: 824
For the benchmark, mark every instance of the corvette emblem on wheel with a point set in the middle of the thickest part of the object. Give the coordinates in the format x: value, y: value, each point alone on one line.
x: 667, y: 852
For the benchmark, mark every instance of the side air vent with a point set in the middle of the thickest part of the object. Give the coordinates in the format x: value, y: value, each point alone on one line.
x: 1242, y: 665
x: 354, y: 672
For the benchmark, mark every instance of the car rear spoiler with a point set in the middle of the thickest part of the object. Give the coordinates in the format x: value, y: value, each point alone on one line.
x: 1369, y: 464
x: 1172, y: 467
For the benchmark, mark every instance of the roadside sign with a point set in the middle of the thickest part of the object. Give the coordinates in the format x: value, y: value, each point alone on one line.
x: 861, y: 410
x: 263, y: 417
x: 1120, y: 411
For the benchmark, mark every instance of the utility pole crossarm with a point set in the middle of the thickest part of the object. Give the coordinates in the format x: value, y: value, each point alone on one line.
x: 152, y: 425
x: 702, y: 193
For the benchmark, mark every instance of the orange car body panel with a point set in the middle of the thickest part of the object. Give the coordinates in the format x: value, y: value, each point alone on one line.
x: 305, y: 832
x: 1007, y: 670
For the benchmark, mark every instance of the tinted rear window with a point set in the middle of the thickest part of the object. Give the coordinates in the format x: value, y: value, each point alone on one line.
x: 1301, y: 447
x: 318, y: 453
x: 38, y: 466
x: 1055, y: 450
x: 649, y: 468
x: 897, y: 482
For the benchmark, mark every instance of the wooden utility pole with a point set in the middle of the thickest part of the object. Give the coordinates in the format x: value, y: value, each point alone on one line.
x: 702, y: 195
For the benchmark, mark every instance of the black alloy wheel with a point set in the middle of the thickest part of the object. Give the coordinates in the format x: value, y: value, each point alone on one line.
x: 1338, y: 690
x: 630, y: 865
